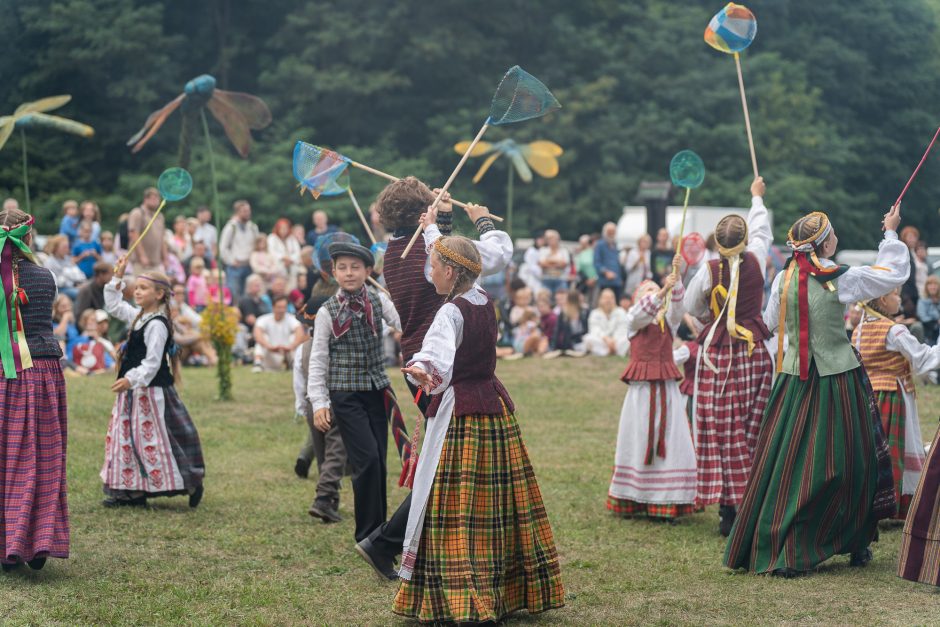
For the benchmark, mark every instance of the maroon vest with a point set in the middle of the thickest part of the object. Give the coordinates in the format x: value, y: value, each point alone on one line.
x: 476, y: 388
x: 687, y: 386
x: 750, y: 299
x: 651, y: 356
x: 414, y: 296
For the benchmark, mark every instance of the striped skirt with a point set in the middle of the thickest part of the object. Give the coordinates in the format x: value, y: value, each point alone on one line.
x: 729, y: 407
x: 900, y: 420
x: 814, y: 486
x: 486, y: 547
x: 34, y: 515
x: 920, y: 544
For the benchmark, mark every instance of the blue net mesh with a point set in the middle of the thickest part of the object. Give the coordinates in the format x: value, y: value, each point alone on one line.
x: 378, y: 251
x: 316, y: 168
x: 337, y: 187
x: 175, y: 184
x: 686, y: 169
x: 322, y: 248
x: 520, y: 96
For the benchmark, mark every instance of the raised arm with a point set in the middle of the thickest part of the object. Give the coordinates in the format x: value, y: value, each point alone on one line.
x: 923, y: 358
x: 760, y: 230
x: 889, y: 271
x: 115, y: 304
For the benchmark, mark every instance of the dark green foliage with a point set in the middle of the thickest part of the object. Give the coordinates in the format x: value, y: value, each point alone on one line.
x: 841, y: 95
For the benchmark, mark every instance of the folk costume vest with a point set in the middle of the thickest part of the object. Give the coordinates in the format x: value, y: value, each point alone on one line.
x: 357, y: 359
x: 885, y: 368
x: 750, y: 299
x: 651, y: 356
x: 135, y: 351
x: 414, y: 296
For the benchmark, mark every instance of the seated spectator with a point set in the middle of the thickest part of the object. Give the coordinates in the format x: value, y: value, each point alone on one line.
x: 278, y: 288
x: 59, y: 262
x: 174, y: 268
x: 928, y: 309
x: 68, y: 227
x: 276, y: 336
x: 91, y: 294
x: 528, y: 339
x: 570, y: 328
x: 212, y: 278
x: 63, y: 318
x: 253, y: 304
x: 91, y: 353
x: 547, y: 316
x: 197, y: 285
x: 607, y: 327
x: 104, y: 325
x: 85, y: 250
x: 626, y: 301
x: 195, y: 348
x: 261, y: 262
x: 183, y: 309
x: 199, y: 252
x: 920, y: 268
x: 109, y: 253
x: 521, y: 303
x: 309, y: 268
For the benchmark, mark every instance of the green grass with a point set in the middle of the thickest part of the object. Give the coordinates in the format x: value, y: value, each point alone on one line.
x: 250, y: 554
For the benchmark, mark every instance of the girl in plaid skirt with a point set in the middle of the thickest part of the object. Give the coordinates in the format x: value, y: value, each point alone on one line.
x: 152, y: 447
x: 478, y: 545
x: 892, y: 357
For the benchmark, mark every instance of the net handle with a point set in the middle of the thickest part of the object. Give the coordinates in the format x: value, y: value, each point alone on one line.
x: 668, y: 296
x: 450, y: 180
x: 362, y: 217
x: 747, y: 117
x: 378, y: 286
x: 127, y: 255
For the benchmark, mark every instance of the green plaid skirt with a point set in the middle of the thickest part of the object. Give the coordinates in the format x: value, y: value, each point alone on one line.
x: 486, y: 549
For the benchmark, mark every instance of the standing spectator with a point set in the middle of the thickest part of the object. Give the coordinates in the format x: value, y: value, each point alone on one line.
x: 59, y: 262
x: 920, y: 267
x: 253, y: 304
x: 262, y: 262
x: 236, y: 245
x: 285, y: 250
x: 197, y: 286
x: 639, y: 263
x: 150, y: 254
x: 530, y: 271
x: 206, y: 232
x: 928, y: 309
x: 89, y: 212
x: 321, y: 227
x: 11, y: 204
x: 607, y: 262
x: 108, y: 251
x: 86, y: 251
x: 70, y: 219
x: 199, y: 252
x: 586, y: 267
x: 179, y: 241
x: 276, y: 335
x: 91, y: 294
x: 555, y: 262
x: 608, y: 327
x: 661, y: 257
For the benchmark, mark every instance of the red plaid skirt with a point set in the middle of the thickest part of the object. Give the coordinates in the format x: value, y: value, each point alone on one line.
x: 34, y: 515
x: 628, y: 508
x: 728, y: 413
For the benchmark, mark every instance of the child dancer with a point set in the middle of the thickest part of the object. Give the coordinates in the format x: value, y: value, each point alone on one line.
x: 735, y: 371
x: 152, y: 447
x: 822, y: 474
x: 476, y: 511
x: 654, y: 467
x: 892, y: 358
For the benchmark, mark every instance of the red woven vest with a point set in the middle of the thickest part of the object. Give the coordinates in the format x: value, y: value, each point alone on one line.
x: 414, y: 296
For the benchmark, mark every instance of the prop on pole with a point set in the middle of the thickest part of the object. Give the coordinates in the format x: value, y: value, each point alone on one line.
x: 731, y: 31
x: 519, y: 97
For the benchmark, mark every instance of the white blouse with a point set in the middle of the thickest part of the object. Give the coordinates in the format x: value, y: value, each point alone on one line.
x: 317, y: 390
x: 279, y: 249
x: 644, y: 313
x: 923, y: 358
x: 155, y: 335
x: 759, y: 239
x: 858, y: 284
x: 442, y: 340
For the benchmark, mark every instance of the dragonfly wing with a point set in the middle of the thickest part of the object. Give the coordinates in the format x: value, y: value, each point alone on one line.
x: 58, y: 123
x: 153, y: 124
x: 256, y: 113
x: 234, y: 123
x: 542, y: 162
x: 6, y: 129
x: 546, y: 147
x: 480, y: 149
x: 44, y: 104
x: 486, y: 166
x: 521, y: 166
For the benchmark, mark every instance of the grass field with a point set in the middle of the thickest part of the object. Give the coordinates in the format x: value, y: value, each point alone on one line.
x: 250, y: 554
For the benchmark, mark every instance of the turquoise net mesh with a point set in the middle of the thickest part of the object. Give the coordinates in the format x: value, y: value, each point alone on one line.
x: 175, y: 184
x: 520, y: 96
x: 686, y: 169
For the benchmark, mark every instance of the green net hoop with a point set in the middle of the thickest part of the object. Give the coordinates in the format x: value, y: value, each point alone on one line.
x: 175, y: 184
x: 686, y: 169
x: 520, y: 96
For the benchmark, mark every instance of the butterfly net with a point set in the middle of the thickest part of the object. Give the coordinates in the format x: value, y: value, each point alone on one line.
x: 316, y: 168
x: 520, y: 96
x: 732, y: 29
x: 322, y: 248
x: 686, y: 169
x: 175, y: 184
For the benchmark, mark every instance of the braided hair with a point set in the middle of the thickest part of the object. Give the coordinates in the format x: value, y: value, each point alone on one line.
x: 808, y: 227
x: 464, y: 277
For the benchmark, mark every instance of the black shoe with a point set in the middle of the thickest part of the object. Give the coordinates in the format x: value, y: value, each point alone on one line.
x: 727, y: 514
x: 383, y: 566
x: 137, y: 501
x: 36, y: 563
x: 326, y: 510
x: 302, y: 467
x: 861, y: 558
x: 196, y: 497
x: 787, y: 573
x: 10, y: 567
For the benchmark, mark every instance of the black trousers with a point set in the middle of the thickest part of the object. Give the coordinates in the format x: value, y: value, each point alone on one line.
x: 361, y: 419
x: 389, y: 538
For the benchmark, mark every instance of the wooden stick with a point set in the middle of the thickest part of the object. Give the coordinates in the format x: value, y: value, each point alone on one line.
x: 447, y: 185
x: 362, y: 217
x: 747, y: 117
x: 917, y: 169
x: 378, y: 286
x: 685, y: 208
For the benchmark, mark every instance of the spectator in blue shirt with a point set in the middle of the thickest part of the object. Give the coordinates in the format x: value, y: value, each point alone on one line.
x: 70, y: 220
x: 607, y: 261
x: 86, y: 251
x: 321, y: 227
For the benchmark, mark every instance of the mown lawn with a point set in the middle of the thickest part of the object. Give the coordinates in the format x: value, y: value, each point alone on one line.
x: 250, y: 554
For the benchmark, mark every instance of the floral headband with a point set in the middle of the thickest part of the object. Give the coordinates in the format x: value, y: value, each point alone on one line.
x: 457, y: 258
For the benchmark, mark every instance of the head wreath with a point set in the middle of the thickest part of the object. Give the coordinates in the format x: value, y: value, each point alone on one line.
x: 474, y: 267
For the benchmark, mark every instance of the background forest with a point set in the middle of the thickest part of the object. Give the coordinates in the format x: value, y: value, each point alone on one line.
x: 843, y: 97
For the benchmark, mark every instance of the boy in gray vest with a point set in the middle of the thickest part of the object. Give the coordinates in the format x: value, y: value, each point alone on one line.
x: 347, y: 378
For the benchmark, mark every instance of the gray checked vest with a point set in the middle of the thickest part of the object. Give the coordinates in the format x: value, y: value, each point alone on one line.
x: 357, y: 359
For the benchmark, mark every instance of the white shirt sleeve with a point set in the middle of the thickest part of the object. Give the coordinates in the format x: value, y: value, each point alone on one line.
x: 317, y: 391
x: 155, y: 337
x: 697, y: 297
x: 760, y: 232
x: 681, y: 355
x: 889, y: 271
x: 115, y: 304
x: 923, y: 358
x: 495, y: 248
x: 299, y: 384
x: 436, y: 356
x: 772, y: 310
x: 643, y: 313
x: 389, y: 313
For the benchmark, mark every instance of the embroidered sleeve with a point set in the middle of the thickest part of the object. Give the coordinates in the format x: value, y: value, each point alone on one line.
x: 439, y: 348
x: 676, y: 309
x: 923, y: 358
x: 643, y: 313
x: 155, y: 337
x: 889, y: 271
x: 114, y: 302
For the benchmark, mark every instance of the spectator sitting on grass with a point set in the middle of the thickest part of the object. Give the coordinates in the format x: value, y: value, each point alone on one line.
x: 570, y: 327
x: 607, y: 328
x: 276, y: 336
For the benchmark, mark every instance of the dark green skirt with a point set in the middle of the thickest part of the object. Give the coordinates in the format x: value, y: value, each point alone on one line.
x: 814, y: 485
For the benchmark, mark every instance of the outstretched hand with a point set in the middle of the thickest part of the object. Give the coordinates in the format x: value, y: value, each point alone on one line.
x: 892, y: 219
x: 419, y: 375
